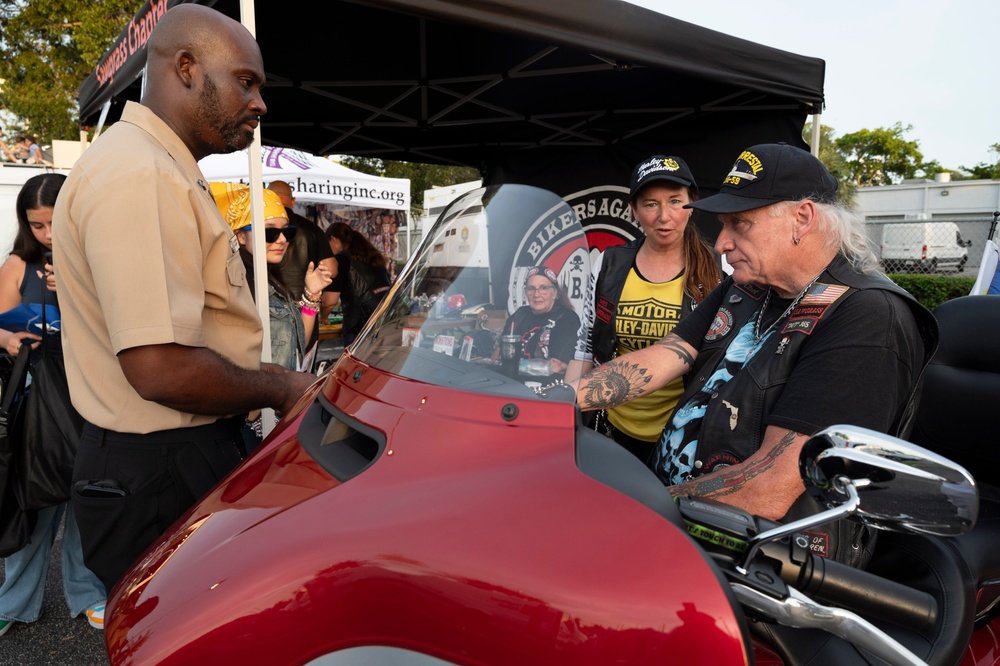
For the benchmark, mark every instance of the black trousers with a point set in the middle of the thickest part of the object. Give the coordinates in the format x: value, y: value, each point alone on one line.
x: 637, y: 447
x: 128, y: 489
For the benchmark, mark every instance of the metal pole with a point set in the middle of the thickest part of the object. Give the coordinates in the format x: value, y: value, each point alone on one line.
x: 248, y: 18
x: 816, y: 126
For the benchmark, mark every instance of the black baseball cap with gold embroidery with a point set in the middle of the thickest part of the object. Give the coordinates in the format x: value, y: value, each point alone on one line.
x: 768, y: 173
x: 660, y: 167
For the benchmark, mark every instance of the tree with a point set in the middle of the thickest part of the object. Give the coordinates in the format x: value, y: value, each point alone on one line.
x: 986, y: 170
x: 834, y: 160
x: 422, y: 176
x: 881, y: 156
x: 47, y: 49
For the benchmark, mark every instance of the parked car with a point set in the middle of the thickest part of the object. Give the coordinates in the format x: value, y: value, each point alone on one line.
x: 923, y: 247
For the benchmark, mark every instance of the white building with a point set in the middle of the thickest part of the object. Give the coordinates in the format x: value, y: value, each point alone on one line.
x: 969, y: 203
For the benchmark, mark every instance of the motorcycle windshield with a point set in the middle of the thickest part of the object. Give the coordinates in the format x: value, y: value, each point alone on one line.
x: 492, y: 299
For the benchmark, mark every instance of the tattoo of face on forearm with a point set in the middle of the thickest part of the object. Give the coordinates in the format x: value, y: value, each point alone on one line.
x: 614, y: 384
x: 672, y: 342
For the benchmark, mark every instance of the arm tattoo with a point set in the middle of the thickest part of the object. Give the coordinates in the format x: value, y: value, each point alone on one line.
x: 672, y: 342
x: 729, y: 480
x: 613, y: 384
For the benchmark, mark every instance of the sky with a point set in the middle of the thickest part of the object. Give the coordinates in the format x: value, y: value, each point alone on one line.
x: 932, y: 65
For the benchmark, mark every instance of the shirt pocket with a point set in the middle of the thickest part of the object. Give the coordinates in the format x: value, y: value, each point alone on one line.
x: 236, y: 271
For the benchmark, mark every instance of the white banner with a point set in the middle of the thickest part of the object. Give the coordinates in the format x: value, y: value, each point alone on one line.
x: 313, y: 179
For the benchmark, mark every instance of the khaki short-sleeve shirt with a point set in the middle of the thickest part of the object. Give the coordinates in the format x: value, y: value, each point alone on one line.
x: 143, y: 257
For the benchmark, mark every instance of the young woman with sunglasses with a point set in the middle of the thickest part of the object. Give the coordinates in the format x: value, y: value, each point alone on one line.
x: 291, y: 315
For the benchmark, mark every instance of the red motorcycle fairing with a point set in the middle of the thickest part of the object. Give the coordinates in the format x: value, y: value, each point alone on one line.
x: 471, y: 536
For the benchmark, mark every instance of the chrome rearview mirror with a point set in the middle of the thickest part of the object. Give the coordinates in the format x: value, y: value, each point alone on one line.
x: 899, y: 486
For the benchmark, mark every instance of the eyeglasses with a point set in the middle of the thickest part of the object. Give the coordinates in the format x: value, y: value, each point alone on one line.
x: 271, y: 233
x: 543, y: 289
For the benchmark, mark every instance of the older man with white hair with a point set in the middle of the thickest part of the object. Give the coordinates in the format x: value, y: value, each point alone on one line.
x: 804, y: 334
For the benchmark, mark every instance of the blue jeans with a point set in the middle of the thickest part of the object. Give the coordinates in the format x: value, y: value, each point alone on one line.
x: 23, y: 589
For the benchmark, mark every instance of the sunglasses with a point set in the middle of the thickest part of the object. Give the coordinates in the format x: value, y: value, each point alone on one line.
x: 271, y: 233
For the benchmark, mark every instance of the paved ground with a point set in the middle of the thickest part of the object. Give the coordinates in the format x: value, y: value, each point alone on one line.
x: 55, y: 639
x: 58, y: 640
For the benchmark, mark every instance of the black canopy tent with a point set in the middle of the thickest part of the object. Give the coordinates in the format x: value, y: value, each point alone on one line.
x: 567, y: 94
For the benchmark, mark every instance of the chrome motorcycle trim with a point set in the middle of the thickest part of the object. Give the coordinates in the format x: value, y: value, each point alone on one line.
x: 918, y: 491
x: 799, y: 611
x: 835, y: 513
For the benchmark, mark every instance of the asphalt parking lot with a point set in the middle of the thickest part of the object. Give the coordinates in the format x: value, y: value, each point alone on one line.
x: 55, y: 639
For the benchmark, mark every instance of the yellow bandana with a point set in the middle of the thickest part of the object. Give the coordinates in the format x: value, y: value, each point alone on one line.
x: 233, y: 200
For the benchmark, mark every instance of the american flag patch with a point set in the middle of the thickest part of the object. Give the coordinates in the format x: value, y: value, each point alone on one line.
x: 823, y: 294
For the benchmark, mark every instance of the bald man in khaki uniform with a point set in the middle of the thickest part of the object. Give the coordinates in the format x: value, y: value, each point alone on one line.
x: 161, y: 334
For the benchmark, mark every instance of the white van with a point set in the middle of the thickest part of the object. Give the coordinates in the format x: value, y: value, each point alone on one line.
x: 923, y: 247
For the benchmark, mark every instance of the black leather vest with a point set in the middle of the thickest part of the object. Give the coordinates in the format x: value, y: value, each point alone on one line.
x: 617, y: 262
x: 757, y: 387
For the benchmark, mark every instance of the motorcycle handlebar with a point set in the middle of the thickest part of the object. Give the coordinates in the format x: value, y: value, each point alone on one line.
x: 834, y: 583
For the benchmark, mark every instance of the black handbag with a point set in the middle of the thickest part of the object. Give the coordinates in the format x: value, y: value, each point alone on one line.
x: 48, y: 434
x: 16, y: 524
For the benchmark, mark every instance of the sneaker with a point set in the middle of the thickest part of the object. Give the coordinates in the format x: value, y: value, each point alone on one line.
x: 95, y: 616
x: 5, y: 626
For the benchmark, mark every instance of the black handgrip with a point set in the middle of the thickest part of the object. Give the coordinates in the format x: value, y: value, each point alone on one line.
x: 831, y: 582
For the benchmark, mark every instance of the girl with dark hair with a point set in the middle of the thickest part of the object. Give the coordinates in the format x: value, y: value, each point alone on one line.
x: 640, y: 290
x: 362, y: 277
x: 27, y: 277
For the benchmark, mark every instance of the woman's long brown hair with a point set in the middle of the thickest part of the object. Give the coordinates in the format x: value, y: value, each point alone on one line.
x: 702, y: 266
x: 356, y: 245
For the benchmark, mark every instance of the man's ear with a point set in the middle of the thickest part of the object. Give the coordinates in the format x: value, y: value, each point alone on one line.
x: 184, y: 65
x: 805, y: 217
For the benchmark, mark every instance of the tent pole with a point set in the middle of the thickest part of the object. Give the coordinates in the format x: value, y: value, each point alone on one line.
x: 257, y: 234
x: 816, y: 126
x: 103, y: 118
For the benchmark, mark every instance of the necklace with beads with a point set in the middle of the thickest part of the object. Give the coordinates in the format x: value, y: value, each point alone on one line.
x: 757, y: 335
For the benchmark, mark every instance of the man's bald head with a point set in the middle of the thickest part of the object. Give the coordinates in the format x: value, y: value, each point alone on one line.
x: 283, y: 190
x: 203, y: 77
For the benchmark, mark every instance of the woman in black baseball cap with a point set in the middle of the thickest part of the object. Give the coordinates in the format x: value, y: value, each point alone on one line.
x: 640, y: 290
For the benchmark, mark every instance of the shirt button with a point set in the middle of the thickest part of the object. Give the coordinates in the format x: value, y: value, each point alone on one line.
x: 715, y: 395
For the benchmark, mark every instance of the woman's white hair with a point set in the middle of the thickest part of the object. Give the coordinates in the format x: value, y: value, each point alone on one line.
x: 844, y: 228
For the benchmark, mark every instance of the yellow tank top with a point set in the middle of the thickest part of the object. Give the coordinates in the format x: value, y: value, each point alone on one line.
x: 646, y: 312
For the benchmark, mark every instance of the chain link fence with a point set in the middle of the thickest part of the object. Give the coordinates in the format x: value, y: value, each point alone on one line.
x: 952, y: 246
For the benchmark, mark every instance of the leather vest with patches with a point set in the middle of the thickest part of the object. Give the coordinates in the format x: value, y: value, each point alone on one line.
x: 618, y: 261
x: 757, y: 387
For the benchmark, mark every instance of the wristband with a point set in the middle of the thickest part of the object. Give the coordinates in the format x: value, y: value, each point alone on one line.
x: 308, y: 311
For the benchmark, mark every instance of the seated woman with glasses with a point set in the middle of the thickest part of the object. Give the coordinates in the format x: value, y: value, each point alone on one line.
x: 548, y: 325
x: 291, y: 316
